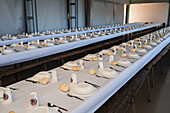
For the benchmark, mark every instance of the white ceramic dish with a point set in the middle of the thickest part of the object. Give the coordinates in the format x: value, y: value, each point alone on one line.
x: 158, y: 41
x: 133, y: 55
x: 7, y: 51
x: 1, y: 93
x: 69, y: 65
x: 83, y: 89
x: 105, y: 51
x: 114, y: 47
x: 41, y: 75
x: 14, y: 45
x: 141, y: 50
x: 153, y: 44
x: 49, y: 44
x: 64, y: 41
x: 31, y: 47
x: 124, y: 62
x: 41, y: 109
x: 147, y: 46
x: 89, y: 56
x: 107, y: 72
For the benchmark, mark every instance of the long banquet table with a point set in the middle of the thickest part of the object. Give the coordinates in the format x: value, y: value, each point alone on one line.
x: 51, y: 92
x: 41, y: 52
x: 8, y: 42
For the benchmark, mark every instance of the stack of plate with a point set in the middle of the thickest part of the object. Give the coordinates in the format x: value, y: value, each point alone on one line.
x: 89, y: 56
x: 41, y: 75
x: 83, y: 89
x: 69, y: 65
x: 124, y: 62
x: 141, y: 50
x: 109, y: 73
x: 49, y: 44
x: 7, y: 51
x: 1, y: 93
x: 147, y: 46
x: 133, y: 55
x: 31, y: 47
x: 153, y: 44
x: 105, y: 51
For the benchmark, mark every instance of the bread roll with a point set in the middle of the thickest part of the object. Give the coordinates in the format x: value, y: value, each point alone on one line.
x: 18, y: 45
x: 64, y: 88
x: 119, y: 48
x: 11, y: 112
x: 139, y: 46
x: 43, y: 44
x: 128, y: 45
x: 25, y: 47
x: 123, y: 55
x: 92, y: 71
x: 75, y: 68
x: 34, y: 42
x: 44, y: 81
x: 113, y: 63
x: 20, y: 35
x: 132, y: 50
x: 109, y: 53
x: 94, y: 59
x: 145, y: 43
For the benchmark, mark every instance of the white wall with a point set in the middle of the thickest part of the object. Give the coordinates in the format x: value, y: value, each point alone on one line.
x: 104, y: 13
x: 11, y: 17
x: 149, y: 12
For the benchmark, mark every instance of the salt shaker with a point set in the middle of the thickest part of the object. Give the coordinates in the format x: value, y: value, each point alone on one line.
x: 54, y: 76
x: 100, y: 56
x: 111, y: 58
x: 81, y: 64
x: 100, y: 66
x: 7, y: 96
x: 73, y: 79
x: 33, y: 100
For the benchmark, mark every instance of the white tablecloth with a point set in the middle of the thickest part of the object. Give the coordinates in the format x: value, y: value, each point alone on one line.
x: 8, y: 42
x: 51, y: 92
x: 41, y: 52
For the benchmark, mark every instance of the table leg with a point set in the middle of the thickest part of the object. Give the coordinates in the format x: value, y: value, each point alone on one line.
x: 162, y: 70
x: 153, y: 77
x: 133, y: 107
x: 148, y: 88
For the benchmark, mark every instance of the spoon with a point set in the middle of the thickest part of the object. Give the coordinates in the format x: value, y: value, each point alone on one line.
x: 53, y: 105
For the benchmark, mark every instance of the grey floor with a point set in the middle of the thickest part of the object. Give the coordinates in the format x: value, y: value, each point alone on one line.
x: 160, y: 95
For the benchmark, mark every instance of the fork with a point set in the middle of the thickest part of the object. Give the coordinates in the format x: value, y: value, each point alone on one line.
x: 101, y: 77
x: 115, y: 69
x: 96, y: 86
x: 75, y: 97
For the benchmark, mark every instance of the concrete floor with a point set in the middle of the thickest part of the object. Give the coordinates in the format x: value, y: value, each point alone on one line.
x: 160, y: 95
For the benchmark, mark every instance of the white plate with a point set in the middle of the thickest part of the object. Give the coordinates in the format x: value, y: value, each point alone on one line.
x: 1, y: 93
x: 147, y: 46
x: 114, y: 47
x: 69, y: 65
x: 89, y: 56
x: 49, y: 44
x: 105, y: 51
x: 140, y: 50
x: 107, y: 72
x: 83, y: 89
x: 153, y: 44
x: 41, y: 75
x: 124, y: 62
x: 41, y: 109
x: 7, y: 51
x: 64, y: 41
x: 31, y: 47
x: 133, y: 55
